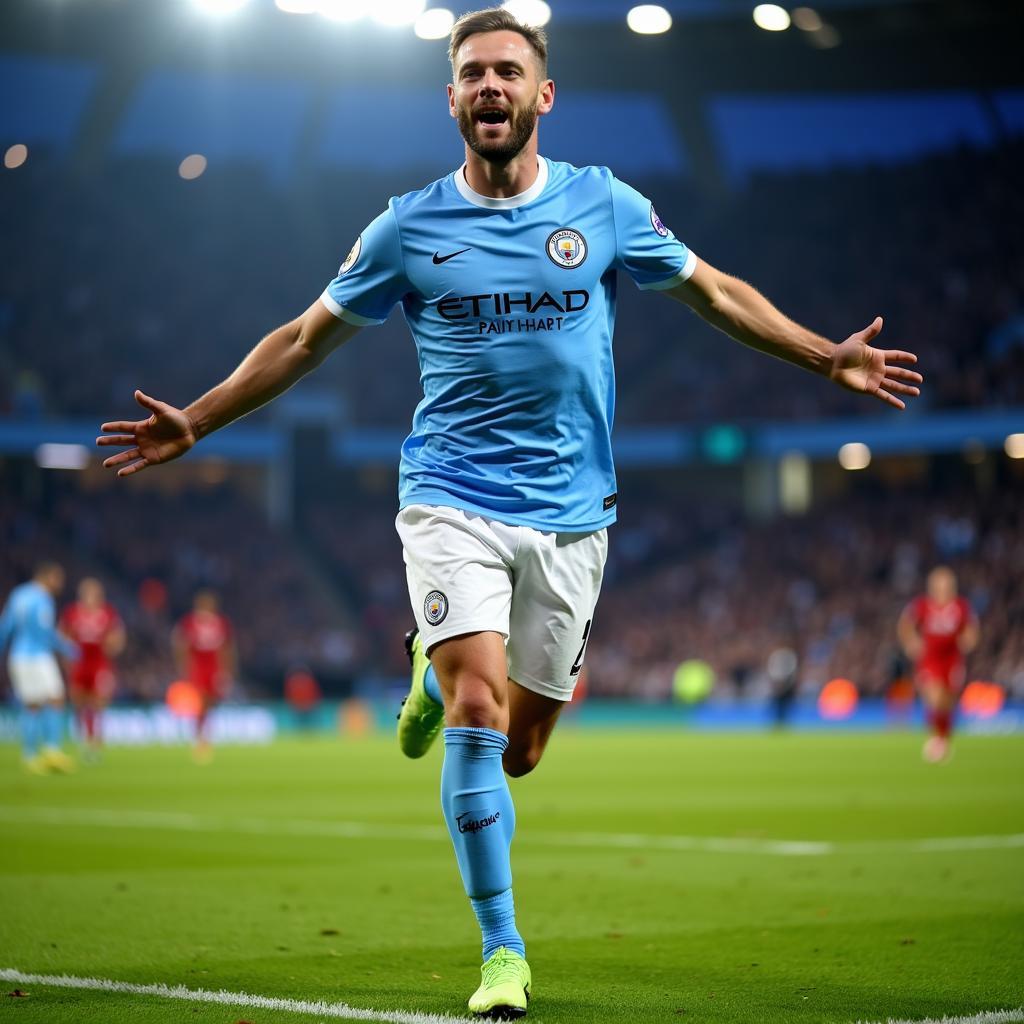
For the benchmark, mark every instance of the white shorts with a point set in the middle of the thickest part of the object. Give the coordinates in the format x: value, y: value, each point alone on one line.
x: 37, y: 679
x: 470, y: 574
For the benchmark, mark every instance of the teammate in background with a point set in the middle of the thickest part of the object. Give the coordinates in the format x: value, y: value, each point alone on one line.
x: 96, y: 627
x: 506, y: 271
x: 937, y: 631
x: 27, y: 622
x: 204, y: 649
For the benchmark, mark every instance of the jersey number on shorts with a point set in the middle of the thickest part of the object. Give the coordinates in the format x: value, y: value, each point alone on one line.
x: 578, y: 663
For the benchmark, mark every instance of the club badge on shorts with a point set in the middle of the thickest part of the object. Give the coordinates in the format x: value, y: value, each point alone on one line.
x: 567, y: 248
x: 435, y: 607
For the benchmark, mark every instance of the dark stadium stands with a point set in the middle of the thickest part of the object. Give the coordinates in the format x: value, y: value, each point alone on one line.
x: 153, y: 282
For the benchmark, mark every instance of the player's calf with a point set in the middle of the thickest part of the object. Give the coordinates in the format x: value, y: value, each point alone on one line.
x: 521, y: 759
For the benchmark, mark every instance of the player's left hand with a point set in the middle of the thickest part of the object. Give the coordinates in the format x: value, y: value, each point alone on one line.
x: 857, y: 366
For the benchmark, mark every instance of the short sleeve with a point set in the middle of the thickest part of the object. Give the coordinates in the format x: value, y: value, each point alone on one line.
x: 372, y: 278
x: 644, y: 247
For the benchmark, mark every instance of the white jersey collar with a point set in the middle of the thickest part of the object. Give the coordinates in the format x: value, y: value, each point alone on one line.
x: 509, y: 203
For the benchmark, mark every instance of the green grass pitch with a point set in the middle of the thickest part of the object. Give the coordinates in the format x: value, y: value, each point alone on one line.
x: 316, y: 870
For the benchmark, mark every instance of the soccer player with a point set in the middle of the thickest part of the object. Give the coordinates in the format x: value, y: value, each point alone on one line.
x: 204, y: 649
x: 93, y: 624
x: 28, y: 624
x: 937, y: 631
x: 506, y: 271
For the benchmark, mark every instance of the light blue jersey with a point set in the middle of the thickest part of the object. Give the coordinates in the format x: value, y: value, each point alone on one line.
x: 28, y: 622
x: 511, y: 303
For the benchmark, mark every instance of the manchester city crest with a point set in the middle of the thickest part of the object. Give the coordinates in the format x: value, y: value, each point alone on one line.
x: 435, y: 607
x: 567, y: 248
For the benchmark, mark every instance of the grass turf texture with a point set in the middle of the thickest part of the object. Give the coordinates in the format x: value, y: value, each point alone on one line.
x: 870, y: 931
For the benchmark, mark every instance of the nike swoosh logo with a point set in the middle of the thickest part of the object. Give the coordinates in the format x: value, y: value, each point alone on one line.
x: 438, y: 260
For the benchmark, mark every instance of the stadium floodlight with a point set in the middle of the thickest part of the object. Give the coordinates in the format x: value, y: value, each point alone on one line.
x: 298, y: 6
x: 1014, y: 446
x: 344, y: 10
x: 62, y: 456
x: 192, y: 166
x: 771, y: 17
x: 435, y: 23
x: 15, y: 156
x: 529, y: 12
x: 397, y: 12
x: 649, y: 19
x: 855, y: 455
x: 219, y: 6
x: 807, y: 19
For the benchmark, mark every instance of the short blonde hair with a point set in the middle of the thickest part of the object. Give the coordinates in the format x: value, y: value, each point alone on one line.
x: 497, y: 19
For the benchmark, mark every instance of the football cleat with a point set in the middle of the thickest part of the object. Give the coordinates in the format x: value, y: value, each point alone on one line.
x: 57, y: 761
x: 421, y: 718
x: 36, y: 764
x: 936, y: 750
x: 504, y: 987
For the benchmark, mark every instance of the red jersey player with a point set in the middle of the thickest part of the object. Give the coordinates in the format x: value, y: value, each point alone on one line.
x: 205, y: 651
x: 97, y: 629
x: 937, y: 631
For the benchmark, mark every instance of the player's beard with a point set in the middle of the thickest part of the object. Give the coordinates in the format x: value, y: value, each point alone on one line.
x: 521, y: 122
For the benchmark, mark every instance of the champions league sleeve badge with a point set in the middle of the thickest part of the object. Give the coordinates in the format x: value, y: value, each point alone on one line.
x: 566, y: 248
x: 656, y: 223
x: 353, y: 255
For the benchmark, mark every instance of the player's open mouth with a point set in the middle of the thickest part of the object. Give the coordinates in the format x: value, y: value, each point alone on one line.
x: 492, y: 117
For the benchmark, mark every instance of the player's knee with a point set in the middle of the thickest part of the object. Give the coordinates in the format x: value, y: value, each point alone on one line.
x: 475, y: 704
x: 519, y: 761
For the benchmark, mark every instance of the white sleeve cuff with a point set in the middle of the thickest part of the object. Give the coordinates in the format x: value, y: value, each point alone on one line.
x: 346, y: 314
x: 684, y: 275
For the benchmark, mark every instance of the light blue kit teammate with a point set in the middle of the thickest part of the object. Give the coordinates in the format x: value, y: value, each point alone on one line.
x: 506, y: 271
x: 28, y: 623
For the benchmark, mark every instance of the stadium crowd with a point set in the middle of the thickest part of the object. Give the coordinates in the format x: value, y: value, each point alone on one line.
x: 153, y: 552
x: 687, y: 578
x: 829, y: 585
x: 833, y: 249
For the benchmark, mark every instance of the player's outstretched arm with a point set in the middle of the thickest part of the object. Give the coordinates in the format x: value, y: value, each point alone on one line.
x: 743, y: 313
x: 280, y: 360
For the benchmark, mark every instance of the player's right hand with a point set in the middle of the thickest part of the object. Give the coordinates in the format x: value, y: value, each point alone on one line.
x: 164, y: 436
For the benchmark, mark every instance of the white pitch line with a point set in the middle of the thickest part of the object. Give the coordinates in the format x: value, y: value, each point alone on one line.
x: 200, y: 995
x: 186, y: 822
x: 986, y: 1017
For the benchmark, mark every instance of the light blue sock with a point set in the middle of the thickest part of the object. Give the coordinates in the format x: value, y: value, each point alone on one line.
x: 29, y: 722
x: 51, y: 725
x: 432, y: 686
x: 481, y: 821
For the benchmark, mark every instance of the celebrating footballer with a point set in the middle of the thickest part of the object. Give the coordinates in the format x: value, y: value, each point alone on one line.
x: 506, y: 271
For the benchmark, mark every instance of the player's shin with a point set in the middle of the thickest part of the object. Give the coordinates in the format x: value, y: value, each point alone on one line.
x: 30, y: 732
x: 942, y: 722
x: 481, y: 821
x: 51, y: 726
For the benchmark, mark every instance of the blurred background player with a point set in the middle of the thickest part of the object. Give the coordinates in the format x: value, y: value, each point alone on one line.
x: 204, y: 648
x: 93, y: 624
x: 937, y: 631
x: 28, y: 623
